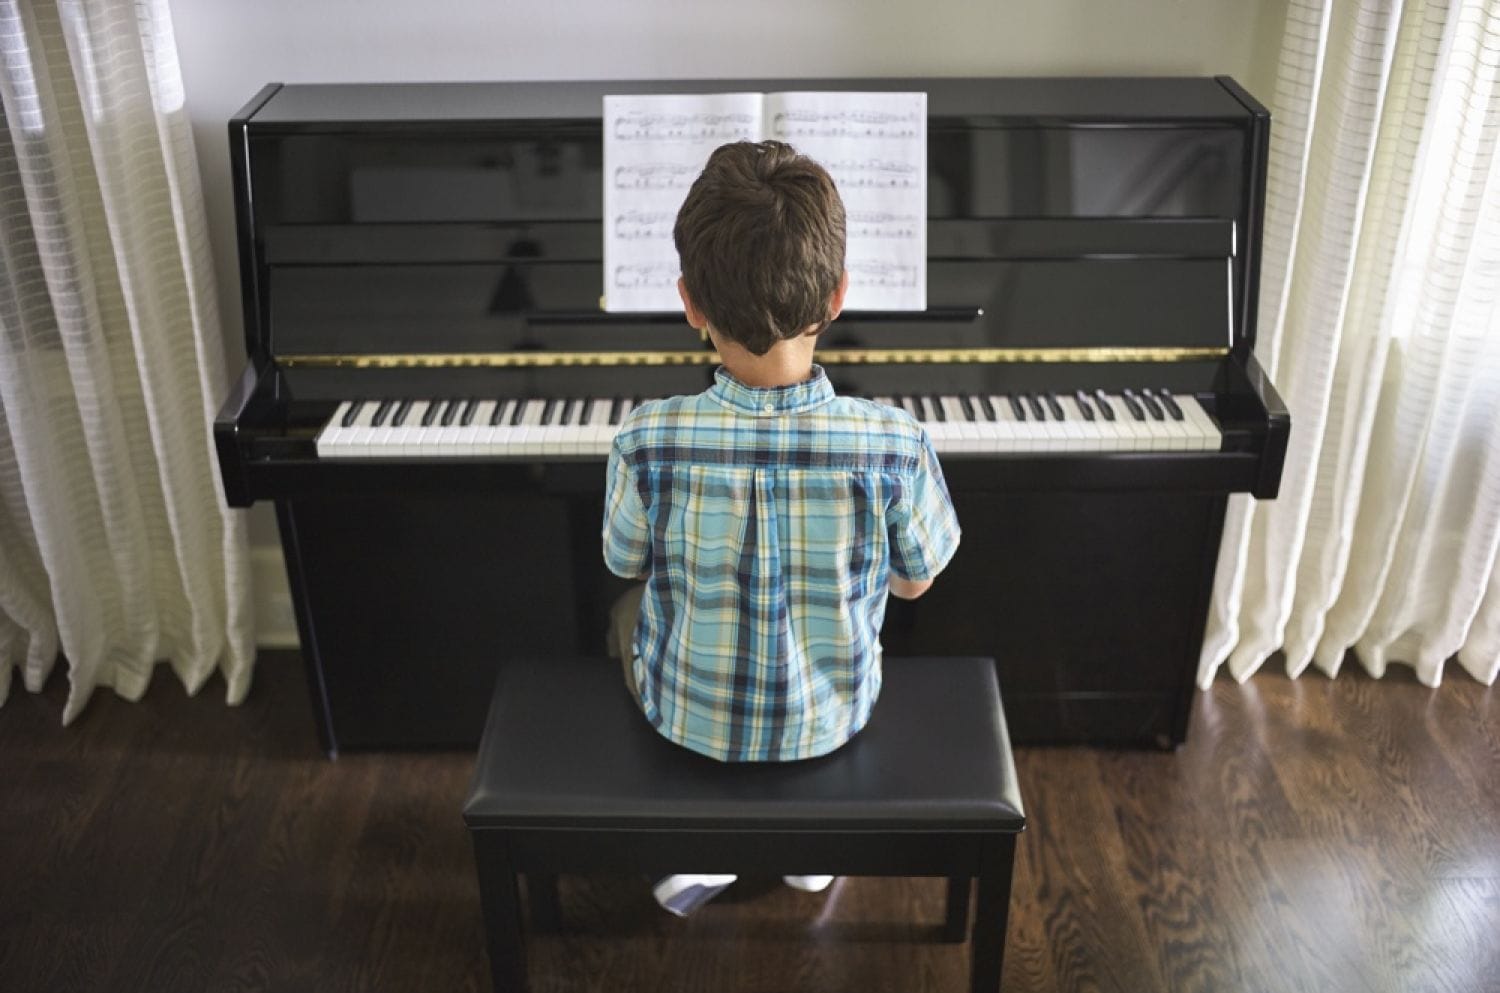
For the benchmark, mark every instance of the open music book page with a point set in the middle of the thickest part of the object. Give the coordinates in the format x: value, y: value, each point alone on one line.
x: 654, y: 147
x: 873, y: 144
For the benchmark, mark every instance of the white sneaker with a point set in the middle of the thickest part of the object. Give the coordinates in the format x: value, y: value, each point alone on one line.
x: 684, y: 893
x: 808, y: 884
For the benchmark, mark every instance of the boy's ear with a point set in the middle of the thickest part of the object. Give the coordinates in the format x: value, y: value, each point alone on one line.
x: 690, y: 310
x: 836, y: 302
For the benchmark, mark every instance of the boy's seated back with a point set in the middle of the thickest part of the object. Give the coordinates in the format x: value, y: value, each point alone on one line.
x: 769, y: 517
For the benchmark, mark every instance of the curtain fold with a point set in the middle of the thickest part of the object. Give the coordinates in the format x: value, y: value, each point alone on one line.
x: 118, y: 548
x: 1381, y: 328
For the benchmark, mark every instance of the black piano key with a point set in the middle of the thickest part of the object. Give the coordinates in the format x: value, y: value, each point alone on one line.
x: 935, y: 405
x: 614, y: 410
x: 498, y: 412
x: 1035, y: 406
x: 450, y: 411
x: 515, y: 419
x: 399, y: 417
x: 968, y: 404
x: 1152, y: 407
x: 547, y: 409
x: 1084, y: 407
x: 1166, y: 401
x: 352, y: 413
x: 990, y: 413
x: 466, y: 417
x: 1017, y: 408
x: 1105, y: 407
x: 434, y: 407
x: 1055, y: 407
x: 1132, y: 405
x: 382, y: 411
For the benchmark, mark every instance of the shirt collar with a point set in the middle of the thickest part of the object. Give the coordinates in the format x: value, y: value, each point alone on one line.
x: 767, y: 400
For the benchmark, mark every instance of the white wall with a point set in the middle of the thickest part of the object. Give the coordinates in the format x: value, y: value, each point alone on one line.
x: 230, y: 48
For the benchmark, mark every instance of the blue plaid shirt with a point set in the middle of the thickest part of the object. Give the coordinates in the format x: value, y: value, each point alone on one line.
x: 767, y: 523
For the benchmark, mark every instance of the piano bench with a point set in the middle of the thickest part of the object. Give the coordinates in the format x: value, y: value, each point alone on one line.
x: 571, y: 779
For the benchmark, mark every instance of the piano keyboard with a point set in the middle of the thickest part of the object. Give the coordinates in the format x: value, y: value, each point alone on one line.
x: 1129, y: 421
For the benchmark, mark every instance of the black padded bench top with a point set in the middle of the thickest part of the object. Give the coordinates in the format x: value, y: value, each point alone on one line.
x: 566, y: 747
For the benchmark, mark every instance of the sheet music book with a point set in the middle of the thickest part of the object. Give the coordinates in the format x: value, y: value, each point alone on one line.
x: 873, y: 144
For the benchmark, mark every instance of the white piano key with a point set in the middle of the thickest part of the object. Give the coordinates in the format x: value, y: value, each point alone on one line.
x: 528, y: 440
x: 1082, y: 436
x: 330, y: 440
x: 963, y: 434
x: 402, y: 441
x: 1204, y: 432
x: 504, y: 435
x: 446, y: 442
x: 597, y: 432
x: 1009, y: 429
x: 472, y: 437
x: 1181, y: 441
x: 359, y: 433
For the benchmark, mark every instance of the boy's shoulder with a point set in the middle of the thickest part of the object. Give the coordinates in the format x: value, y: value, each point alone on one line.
x: 892, y: 424
x: 650, y: 420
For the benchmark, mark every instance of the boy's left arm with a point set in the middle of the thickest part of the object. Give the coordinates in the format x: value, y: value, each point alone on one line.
x: 627, y: 529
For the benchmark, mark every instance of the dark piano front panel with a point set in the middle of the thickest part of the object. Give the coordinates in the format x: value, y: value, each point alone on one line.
x: 464, y: 219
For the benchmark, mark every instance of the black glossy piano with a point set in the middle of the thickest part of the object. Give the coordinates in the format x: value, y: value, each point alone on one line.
x: 432, y: 385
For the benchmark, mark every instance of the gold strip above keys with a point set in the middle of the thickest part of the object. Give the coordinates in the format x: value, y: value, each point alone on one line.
x: 849, y: 356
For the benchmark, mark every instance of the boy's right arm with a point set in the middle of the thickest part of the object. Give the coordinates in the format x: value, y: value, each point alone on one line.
x: 924, y: 529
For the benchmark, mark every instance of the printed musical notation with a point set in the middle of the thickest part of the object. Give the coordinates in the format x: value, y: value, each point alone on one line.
x: 883, y: 275
x: 874, y: 145
x: 872, y: 173
x: 633, y: 224
x: 656, y: 176
x: 636, y: 126
x: 791, y: 125
x: 651, y: 276
x: 863, y: 224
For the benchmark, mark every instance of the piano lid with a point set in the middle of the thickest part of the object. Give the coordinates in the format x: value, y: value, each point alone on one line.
x: 979, y: 102
x: 453, y: 218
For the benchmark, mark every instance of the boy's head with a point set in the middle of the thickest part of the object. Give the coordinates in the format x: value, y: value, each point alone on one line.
x: 761, y: 240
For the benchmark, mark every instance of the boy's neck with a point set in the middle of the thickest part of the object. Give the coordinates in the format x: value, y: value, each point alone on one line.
x: 787, y: 363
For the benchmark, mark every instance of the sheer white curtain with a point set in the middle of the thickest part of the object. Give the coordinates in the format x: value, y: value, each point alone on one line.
x: 1379, y: 321
x: 115, y: 545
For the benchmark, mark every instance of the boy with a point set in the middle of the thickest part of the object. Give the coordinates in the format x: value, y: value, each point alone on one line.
x: 768, y: 517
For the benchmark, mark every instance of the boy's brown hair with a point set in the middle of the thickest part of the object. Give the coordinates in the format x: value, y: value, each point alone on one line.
x: 761, y: 240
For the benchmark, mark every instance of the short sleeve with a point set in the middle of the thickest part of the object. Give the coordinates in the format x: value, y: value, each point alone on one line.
x: 923, y: 527
x: 627, y: 531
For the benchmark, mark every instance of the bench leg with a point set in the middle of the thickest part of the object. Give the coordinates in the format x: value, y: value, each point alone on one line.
x: 541, y: 895
x: 500, y: 898
x: 956, y: 920
x: 991, y: 911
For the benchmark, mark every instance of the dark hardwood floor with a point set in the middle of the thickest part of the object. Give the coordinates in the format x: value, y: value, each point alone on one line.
x: 1312, y: 835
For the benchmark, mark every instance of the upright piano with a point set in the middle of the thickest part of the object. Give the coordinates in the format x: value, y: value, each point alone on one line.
x: 432, y: 385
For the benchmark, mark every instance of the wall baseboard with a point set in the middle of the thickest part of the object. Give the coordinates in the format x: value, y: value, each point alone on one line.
x: 275, y: 618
